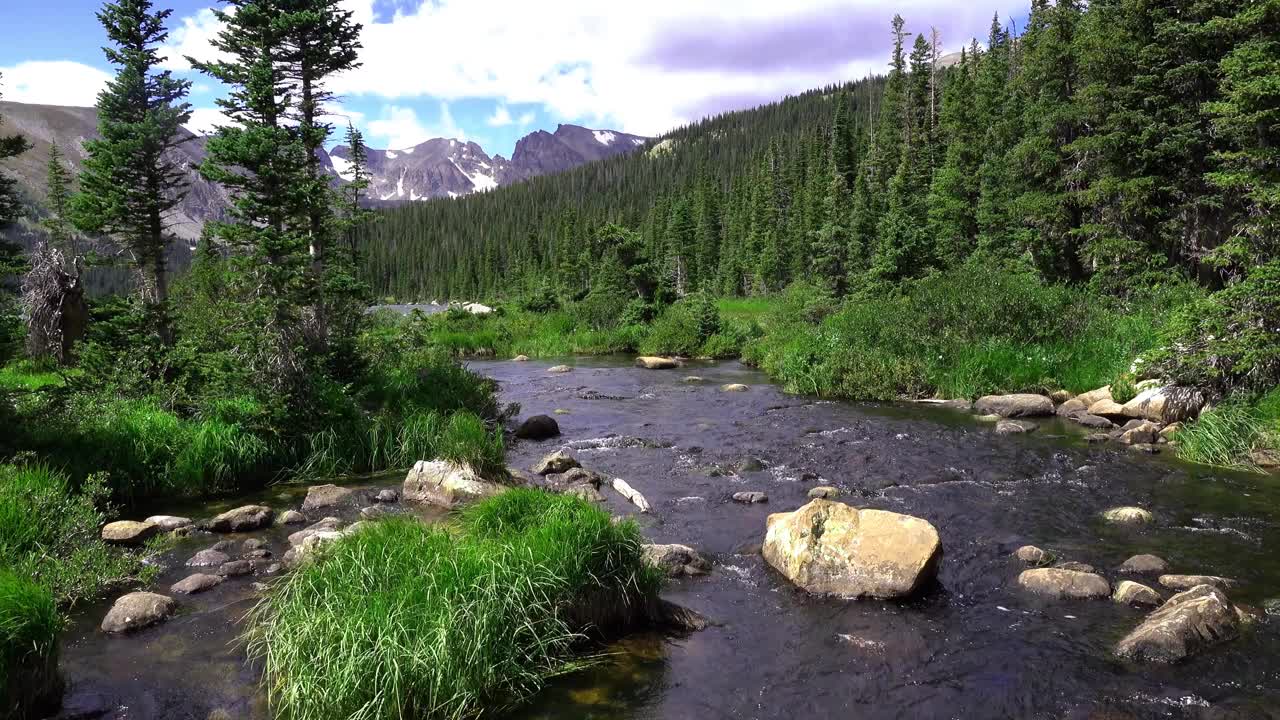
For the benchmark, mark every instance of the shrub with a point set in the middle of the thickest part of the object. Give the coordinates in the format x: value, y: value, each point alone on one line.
x: 1222, y: 436
x: 408, y: 620
x: 29, y: 627
x: 683, y: 328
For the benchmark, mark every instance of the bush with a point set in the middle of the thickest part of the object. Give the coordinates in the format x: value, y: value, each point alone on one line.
x: 29, y: 628
x: 408, y: 620
x: 683, y: 328
x: 50, y: 534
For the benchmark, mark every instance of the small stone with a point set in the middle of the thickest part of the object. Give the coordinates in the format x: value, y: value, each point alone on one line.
x: 254, y: 544
x: 750, y: 497
x: 1168, y: 431
x: 323, y: 525
x: 293, y: 517
x: 1136, y: 594
x: 194, y: 584
x: 989, y: 418
x: 1146, y: 448
x: 260, y: 554
x: 1145, y: 433
x: 825, y: 492
x: 235, y: 568
x: 520, y: 358
x: 1032, y: 555
x: 1094, y: 422
x: 323, y: 497
x: 560, y: 411
x: 1127, y: 516
x: 169, y: 523
x: 750, y: 464
x: 136, y: 611
x: 225, y: 546
x: 387, y: 495
x: 1144, y: 564
x: 734, y: 387
x: 656, y: 363
x: 559, y: 369
x: 272, y: 569
x: 676, y: 560
x: 538, y: 427
x: 1097, y: 438
x: 1064, y: 584
x: 557, y: 462
x: 374, y: 512
x: 243, y: 519
x: 208, y: 558
x: 1015, y: 427
x: 129, y: 532
x: 693, y: 379
x: 1186, y: 582
x: 1076, y: 566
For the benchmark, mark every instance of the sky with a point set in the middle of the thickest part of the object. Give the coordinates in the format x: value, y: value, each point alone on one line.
x: 492, y: 71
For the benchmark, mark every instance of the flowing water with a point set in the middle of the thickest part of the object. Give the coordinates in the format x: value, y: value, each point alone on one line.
x: 973, y: 647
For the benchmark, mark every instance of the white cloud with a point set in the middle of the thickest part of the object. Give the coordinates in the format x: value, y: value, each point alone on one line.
x: 205, y: 120
x: 193, y: 38
x: 57, y: 82
x: 399, y: 127
x: 526, y: 119
x: 501, y: 116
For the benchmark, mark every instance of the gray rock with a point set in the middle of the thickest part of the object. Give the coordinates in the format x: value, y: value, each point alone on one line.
x: 1097, y: 438
x: 1071, y: 408
x: 323, y: 497
x: 1187, y: 582
x: 169, y: 523
x: 447, y: 484
x: 1093, y: 422
x: 324, y: 525
x: 254, y: 544
x: 136, y: 611
x: 260, y: 554
x: 1014, y: 427
x: 1127, y: 516
x: 1188, y: 623
x: 1144, y: 564
x: 677, y: 560
x: 1064, y: 584
x: 235, y: 568
x: 559, y: 369
x: 243, y: 519
x: 1136, y: 594
x: 734, y: 387
x: 1015, y: 406
x: 129, y: 532
x: 387, y: 495
x: 557, y: 462
x: 293, y: 517
x: 1077, y: 566
x: 196, y: 583
x: 538, y: 427
x: 751, y: 497
x: 824, y: 492
x: 208, y: 558
x: 1032, y: 555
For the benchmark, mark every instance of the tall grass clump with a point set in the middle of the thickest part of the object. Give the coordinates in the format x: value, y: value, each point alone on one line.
x: 49, y: 532
x: 29, y: 627
x: 1228, y: 434
x: 404, y: 620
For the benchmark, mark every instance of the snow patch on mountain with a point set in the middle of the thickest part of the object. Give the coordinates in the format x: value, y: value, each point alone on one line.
x: 342, y: 167
x: 604, y: 137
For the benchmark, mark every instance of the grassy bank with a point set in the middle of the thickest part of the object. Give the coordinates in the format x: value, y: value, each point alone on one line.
x: 29, y: 628
x: 407, y: 620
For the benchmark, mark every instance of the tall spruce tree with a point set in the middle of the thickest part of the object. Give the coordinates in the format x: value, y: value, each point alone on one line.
x: 953, y: 193
x: 11, y: 262
x: 129, y: 181
x: 58, y: 224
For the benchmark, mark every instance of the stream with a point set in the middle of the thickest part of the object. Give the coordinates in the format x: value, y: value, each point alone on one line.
x: 974, y: 647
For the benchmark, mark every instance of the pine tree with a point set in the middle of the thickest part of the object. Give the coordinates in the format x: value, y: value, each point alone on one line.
x: 11, y: 262
x: 953, y: 194
x: 58, y: 224
x: 129, y: 182
x: 10, y: 202
x: 352, y: 211
x: 678, y: 248
x: 997, y: 111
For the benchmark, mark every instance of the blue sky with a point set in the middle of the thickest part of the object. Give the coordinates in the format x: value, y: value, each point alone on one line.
x: 494, y: 70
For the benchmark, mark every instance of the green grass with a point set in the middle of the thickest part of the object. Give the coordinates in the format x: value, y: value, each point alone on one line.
x: 408, y: 620
x: 1227, y: 434
x: 29, y: 628
x: 28, y: 376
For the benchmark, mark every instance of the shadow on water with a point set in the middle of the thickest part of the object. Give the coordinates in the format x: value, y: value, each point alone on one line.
x: 974, y: 647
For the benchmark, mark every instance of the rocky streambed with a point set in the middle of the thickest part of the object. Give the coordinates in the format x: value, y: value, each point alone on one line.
x: 1050, y: 553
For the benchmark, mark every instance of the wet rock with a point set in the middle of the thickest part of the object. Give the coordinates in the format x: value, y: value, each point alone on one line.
x: 1015, y: 427
x: 260, y: 554
x: 583, y: 492
x: 1186, y: 582
x: 317, y: 541
x: 557, y: 462
x: 559, y: 369
x: 989, y: 418
x: 194, y: 584
x: 1093, y: 422
x: 1188, y: 623
x: 679, y: 618
x: 225, y: 546
x: 273, y: 569
x: 1168, y: 431
x: 561, y: 411
x: 235, y: 568
x: 1265, y: 458
x: 322, y: 525
x: 734, y: 387
x: 129, y: 532
x: 1165, y: 404
x: 832, y: 548
x: 1032, y: 555
x: 136, y: 611
x: 1097, y: 438
x: 1144, y: 564
x: 208, y: 558
x: 243, y: 519
x: 1071, y: 408
x: 444, y: 483
x: 750, y: 464
x: 656, y: 363
x: 751, y: 497
x: 1015, y: 406
x: 1064, y: 584
x: 1127, y: 516
x: 693, y: 379
x: 575, y: 476
x: 293, y: 517
x: 520, y: 358
x: 1136, y: 594
x: 538, y: 427
x: 824, y: 492
x: 253, y: 544
x: 1076, y: 566
x: 376, y: 512
x: 169, y: 523
x: 323, y: 497
x: 676, y: 560
x: 1144, y: 433
x: 1145, y: 448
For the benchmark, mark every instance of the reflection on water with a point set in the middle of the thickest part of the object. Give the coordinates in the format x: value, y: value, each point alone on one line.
x: 973, y: 648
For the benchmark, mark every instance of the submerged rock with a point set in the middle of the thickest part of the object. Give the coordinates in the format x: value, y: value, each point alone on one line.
x: 520, y: 358
x: 1188, y: 623
x: 444, y: 483
x: 538, y: 427
x: 656, y: 363
x: 559, y: 369
x: 1015, y: 406
x: 243, y: 519
x: 1032, y: 555
x: 824, y: 492
x: 1144, y: 564
x: 1014, y: 427
x: 1127, y: 516
x: 129, y: 532
x: 323, y: 497
x: 1129, y: 592
x: 676, y: 560
x: 136, y: 611
x: 196, y: 583
x: 1064, y: 584
x: 693, y: 379
x: 832, y: 548
x: 734, y: 387
x: 235, y: 568
x: 751, y: 497
x: 557, y: 462
x: 169, y: 523
x: 1093, y: 422
x: 1186, y: 582
x: 1077, y: 566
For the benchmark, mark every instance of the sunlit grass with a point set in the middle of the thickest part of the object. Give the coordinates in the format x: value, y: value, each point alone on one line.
x: 29, y: 628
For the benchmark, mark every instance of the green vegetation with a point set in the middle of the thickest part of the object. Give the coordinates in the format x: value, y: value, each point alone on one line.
x: 407, y: 620
x: 1230, y: 434
x: 29, y: 628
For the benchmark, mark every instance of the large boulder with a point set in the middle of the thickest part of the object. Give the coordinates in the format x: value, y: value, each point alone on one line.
x: 557, y: 462
x: 444, y: 483
x: 1061, y: 584
x: 832, y: 548
x: 129, y: 532
x: 1015, y: 406
x: 1071, y: 408
x: 1187, y: 582
x: 1089, y: 398
x: 656, y: 363
x: 1186, y: 624
x: 323, y: 497
x: 1129, y: 592
x: 169, y: 523
x: 1107, y: 408
x: 1165, y: 404
x: 243, y: 519
x: 676, y: 560
x: 136, y: 611
x: 538, y: 427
